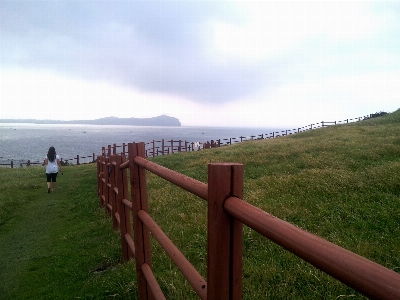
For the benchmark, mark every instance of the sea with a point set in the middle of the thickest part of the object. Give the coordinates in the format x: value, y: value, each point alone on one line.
x: 20, y: 142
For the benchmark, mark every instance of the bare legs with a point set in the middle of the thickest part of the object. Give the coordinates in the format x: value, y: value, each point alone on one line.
x: 51, y: 185
x: 51, y: 181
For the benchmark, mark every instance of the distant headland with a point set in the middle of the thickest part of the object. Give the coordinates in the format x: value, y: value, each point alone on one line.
x: 155, y: 121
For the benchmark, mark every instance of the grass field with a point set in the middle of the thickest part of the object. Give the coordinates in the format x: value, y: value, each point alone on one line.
x: 341, y: 183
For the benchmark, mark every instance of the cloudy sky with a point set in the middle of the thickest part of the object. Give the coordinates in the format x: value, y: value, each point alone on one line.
x: 208, y: 63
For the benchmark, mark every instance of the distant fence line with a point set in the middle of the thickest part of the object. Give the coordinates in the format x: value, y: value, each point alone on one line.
x: 65, y: 162
x: 163, y: 147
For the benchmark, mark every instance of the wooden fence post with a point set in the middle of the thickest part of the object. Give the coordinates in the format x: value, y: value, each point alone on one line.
x: 107, y: 186
x: 112, y: 183
x: 162, y: 147
x: 139, y: 202
x: 102, y: 179
x: 121, y: 184
x: 99, y: 179
x: 224, y: 241
x: 77, y: 159
x: 103, y: 172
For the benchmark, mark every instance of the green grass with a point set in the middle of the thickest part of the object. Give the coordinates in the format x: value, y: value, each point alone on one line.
x: 341, y: 183
x: 57, y: 245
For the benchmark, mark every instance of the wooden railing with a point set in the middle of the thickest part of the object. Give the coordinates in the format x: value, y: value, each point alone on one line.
x: 226, y: 214
x: 15, y: 163
x: 20, y: 163
x: 78, y: 159
x: 154, y: 148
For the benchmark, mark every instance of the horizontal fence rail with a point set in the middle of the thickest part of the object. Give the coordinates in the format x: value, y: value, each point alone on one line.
x: 226, y: 214
x: 363, y: 275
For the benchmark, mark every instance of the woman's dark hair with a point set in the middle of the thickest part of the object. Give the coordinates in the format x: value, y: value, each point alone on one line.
x: 51, y: 155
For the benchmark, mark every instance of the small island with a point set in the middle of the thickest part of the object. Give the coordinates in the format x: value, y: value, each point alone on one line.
x: 155, y: 121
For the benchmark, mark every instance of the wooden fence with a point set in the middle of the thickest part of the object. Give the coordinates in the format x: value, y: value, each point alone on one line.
x: 15, y: 163
x: 78, y: 159
x: 227, y: 213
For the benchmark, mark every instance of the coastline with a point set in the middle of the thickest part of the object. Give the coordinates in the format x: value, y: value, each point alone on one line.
x: 154, y: 121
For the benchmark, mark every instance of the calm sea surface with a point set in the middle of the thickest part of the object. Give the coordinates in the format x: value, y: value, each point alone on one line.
x: 20, y: 142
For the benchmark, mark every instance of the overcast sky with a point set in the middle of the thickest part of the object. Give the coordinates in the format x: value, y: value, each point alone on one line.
x: 207, y: 63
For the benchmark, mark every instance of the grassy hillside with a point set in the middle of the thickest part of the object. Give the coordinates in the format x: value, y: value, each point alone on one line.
x: 341, y: 182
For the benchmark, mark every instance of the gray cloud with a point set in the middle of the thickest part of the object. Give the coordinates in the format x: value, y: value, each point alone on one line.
x: 151, y: 45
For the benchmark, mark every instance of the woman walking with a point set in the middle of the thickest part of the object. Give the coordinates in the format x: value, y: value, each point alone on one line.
x: 52, y: 162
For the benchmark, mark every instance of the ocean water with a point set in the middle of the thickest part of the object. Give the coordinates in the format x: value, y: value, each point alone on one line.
x: 21, y: 142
